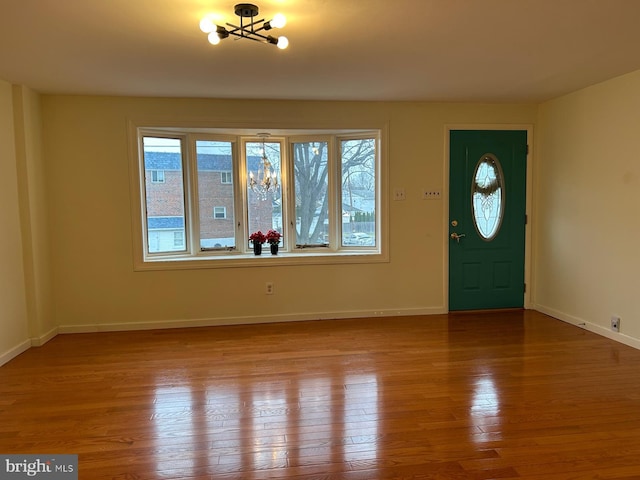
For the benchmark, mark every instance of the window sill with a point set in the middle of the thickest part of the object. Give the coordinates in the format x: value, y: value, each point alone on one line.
x: 241, y: 260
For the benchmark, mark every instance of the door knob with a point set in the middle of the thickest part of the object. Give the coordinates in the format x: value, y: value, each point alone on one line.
x: 457, y: 236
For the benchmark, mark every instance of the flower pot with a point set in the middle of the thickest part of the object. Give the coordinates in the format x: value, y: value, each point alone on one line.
x: 274, y: 248
x: 257, y: 248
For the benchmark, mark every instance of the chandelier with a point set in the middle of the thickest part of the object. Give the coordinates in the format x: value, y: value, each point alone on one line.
x: 265, y: 181
x: 251, y: 29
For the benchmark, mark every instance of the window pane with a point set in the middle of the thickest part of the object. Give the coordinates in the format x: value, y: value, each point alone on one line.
x: 264, y: 209
x: 358, y: 160
x: 215, y: 164
x: 310, y: 163
x: 157, y: 176
x: 219, y: 212
x: 487, y: 197
x: 165, y: 199
x: 191, y: 205
x: 178, y: 239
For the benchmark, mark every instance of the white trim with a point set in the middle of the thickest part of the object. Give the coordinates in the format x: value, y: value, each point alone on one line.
x: 225, y: 173
x: 224, y: 213
x: 247, y: 320
x: 592, y: 327
x: 26, y: 345
x: 445, y: 194
x: 14, y: 352
x: 243, y: 257
x: 212, y: 322
x: 155, y: 173
x: 42, y: 339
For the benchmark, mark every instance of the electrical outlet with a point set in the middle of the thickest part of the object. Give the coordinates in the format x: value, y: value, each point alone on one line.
x: 268, y: 288
x: 615, y: 324
x: 398, y: 194
x: 431, y: 194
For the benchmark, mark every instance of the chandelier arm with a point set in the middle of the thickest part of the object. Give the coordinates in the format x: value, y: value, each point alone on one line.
x: 253, y: 24
x: 263, y: 37
x: 244, y: 30
x: 250, y: 30
x: 235, y: 27
x: 250, y: 36
x: 262, y: 27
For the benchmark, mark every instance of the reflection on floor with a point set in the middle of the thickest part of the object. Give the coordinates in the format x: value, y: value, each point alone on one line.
x: 496, y: 395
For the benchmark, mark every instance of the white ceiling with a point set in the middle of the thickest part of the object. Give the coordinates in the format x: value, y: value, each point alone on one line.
x: 434, y: 50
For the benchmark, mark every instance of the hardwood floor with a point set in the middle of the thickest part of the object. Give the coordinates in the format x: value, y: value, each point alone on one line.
x: 511, y: 395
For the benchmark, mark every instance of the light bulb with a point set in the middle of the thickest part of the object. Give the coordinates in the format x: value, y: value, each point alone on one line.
x: 283, y: 42
x: 214, y: 38
x: 278, y: 21
x: 207, y: 25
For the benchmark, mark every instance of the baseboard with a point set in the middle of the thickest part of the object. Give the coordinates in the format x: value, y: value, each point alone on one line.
x: 245, y: 320
x: 248, y: 320
x: 42, y: 339
x: 14, y: 352
x: 592, y: 327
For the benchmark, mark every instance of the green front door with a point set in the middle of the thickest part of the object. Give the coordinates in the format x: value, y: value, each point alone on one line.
x: 487, y: 207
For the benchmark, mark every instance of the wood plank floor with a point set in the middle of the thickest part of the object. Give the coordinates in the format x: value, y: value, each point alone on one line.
x: 511, y: 395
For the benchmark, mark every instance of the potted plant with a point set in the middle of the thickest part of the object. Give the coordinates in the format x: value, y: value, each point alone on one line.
x: 257, y: 238
x: 273, y: 237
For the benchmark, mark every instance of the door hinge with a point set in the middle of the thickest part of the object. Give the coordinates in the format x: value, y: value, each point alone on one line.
x: 527, y: 149
x: 526, y: 219
x: 525, y: 288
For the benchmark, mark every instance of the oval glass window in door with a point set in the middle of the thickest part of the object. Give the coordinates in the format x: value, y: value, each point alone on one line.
x: 487, y: 196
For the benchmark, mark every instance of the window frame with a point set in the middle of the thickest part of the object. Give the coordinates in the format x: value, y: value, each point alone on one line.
x: 244, y: 174
x: 156, y: 174
x: 223, y: 211
x: 178, y: 242
x: 242, y: 254
x: 226, y: 177
x: 332, y: 189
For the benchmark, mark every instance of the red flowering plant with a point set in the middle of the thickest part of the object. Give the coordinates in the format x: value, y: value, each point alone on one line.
x: 273, y: 237
x: 258, y: 238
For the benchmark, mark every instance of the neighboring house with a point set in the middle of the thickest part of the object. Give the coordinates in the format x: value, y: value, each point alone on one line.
x: 166, y: 234
x: 165, y: 196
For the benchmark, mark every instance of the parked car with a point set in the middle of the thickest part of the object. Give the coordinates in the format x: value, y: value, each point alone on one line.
x: 358, y: 238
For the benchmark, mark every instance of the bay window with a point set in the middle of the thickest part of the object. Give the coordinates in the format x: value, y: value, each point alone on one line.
x: 321, y: 191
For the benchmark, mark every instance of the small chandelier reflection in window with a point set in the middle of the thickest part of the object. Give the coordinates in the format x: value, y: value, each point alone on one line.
x: 265, y: 180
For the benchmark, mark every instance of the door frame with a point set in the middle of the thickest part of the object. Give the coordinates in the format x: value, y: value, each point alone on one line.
x: 529, y: 202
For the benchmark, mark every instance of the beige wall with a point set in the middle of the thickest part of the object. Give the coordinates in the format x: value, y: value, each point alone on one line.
x: 587, y: 207
x: 95, y: 287
x: 14, y: 330
x: 64, y: 161
x: 34, y: 213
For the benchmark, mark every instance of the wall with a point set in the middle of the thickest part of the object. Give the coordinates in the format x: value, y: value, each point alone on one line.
x: 85, y: 139
x: 34, y: 213
x: 584, y: 218
x: 14, y: 331
x: 587, y: 208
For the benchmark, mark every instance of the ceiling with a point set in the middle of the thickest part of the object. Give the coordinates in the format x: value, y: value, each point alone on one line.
x: 383, y: 50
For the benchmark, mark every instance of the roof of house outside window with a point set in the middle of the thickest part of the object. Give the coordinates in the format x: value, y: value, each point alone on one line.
x: 206, y: 161
x: 165, y: 223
